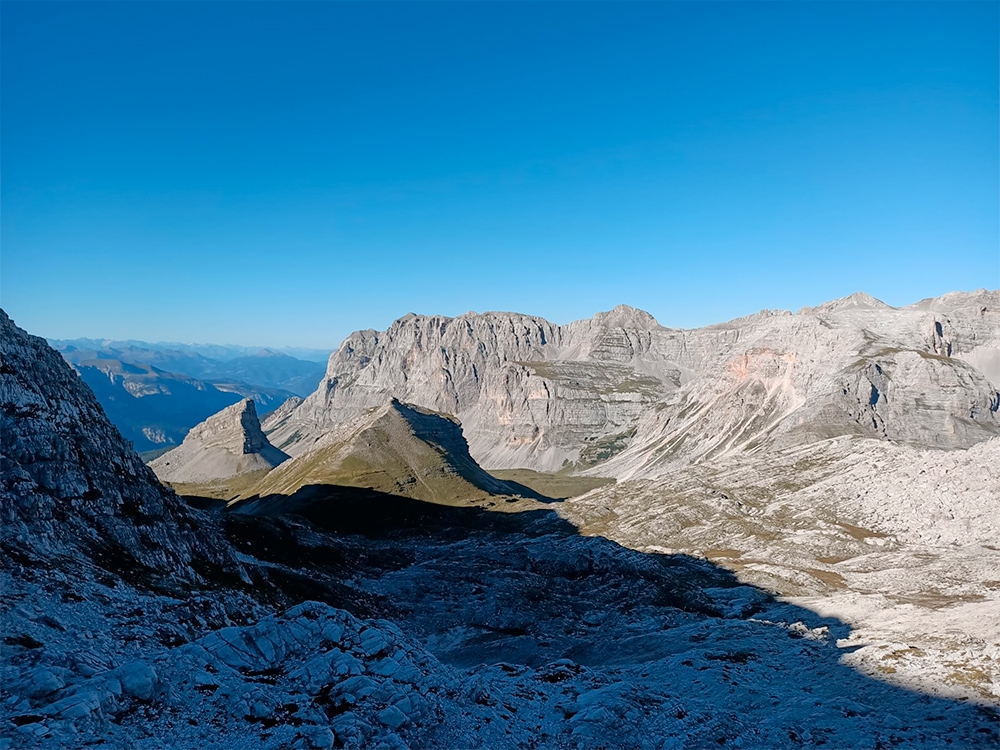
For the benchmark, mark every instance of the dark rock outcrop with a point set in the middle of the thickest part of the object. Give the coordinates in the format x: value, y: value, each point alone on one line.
x: 73, y: 490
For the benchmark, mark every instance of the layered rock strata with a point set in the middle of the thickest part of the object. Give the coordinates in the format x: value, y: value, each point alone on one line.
x: 537, y: 395
x: 475, y: 629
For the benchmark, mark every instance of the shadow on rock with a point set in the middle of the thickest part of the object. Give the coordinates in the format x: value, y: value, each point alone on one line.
x: 526, y: 602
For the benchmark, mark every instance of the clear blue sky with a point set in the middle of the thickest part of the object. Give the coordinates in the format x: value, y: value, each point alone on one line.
x: 284, y: 173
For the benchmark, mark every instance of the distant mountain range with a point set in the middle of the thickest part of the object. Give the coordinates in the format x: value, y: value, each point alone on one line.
x: 154, y: 394
x: 266, y: 368
x: 221, y: 352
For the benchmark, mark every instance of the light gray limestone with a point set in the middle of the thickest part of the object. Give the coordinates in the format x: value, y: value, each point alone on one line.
x: 533, y: 394
x: 225, y: 445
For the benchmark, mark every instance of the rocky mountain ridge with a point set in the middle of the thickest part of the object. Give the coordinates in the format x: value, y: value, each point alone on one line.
x: 792, y: 409
x: 532, y: 394
x: 396, y: 449
x: 259, y: 366
x: 155, y: 408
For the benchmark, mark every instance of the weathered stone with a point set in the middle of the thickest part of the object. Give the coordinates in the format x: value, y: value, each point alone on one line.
x: 138, y: 679
x: 72, y: 487
x: 533, y: 394
x: 225, y: 445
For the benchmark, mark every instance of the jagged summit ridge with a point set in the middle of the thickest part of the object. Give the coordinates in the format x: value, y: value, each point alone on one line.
x: 227, y: 444
x: 528, y: 392
x: 537, y: 395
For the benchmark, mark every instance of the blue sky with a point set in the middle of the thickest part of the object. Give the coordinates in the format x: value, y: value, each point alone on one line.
x: 282, y: 174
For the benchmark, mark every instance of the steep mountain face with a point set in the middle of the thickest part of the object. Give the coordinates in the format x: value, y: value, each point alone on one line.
x: 397, y: 449
x: 528, y: 393
x: 274, y: 418
x: 536, y: 395
x: 226, y: 445
x: 72, y: 487
x: 850, y: 367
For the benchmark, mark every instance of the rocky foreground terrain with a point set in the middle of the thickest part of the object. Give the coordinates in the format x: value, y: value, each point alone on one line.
x: 800, y: 549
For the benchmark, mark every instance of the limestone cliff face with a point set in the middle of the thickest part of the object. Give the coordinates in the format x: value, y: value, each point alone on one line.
x: 533, y: 394
x: 225, y: 445
x: 851, y: 367
x: 72, y: 488
x: 528, y: 392
x: 277, y: 416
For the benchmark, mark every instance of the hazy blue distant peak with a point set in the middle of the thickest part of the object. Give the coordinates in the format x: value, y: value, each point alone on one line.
x: 226, y: 352
x: 220, y: 352
x: 309, y: 355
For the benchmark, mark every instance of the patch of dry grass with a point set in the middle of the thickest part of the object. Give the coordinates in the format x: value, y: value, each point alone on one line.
x: 557, y: 486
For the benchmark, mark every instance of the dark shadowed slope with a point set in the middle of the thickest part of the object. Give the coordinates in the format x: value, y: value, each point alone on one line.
x: 576, y: 641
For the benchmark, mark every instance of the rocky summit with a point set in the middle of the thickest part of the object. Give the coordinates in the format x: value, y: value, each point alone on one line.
x: 778, y: 532
x: 397, y: 449
x: 527, y: 392
x: 226, y: 445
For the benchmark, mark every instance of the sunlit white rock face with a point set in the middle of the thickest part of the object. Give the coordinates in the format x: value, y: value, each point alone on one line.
x: 499, y: 373
x: 534, y: 394
x: 225, y: 445
x: 275, y: 417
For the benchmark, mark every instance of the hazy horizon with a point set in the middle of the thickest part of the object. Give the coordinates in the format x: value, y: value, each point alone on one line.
x: 280, y: 175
